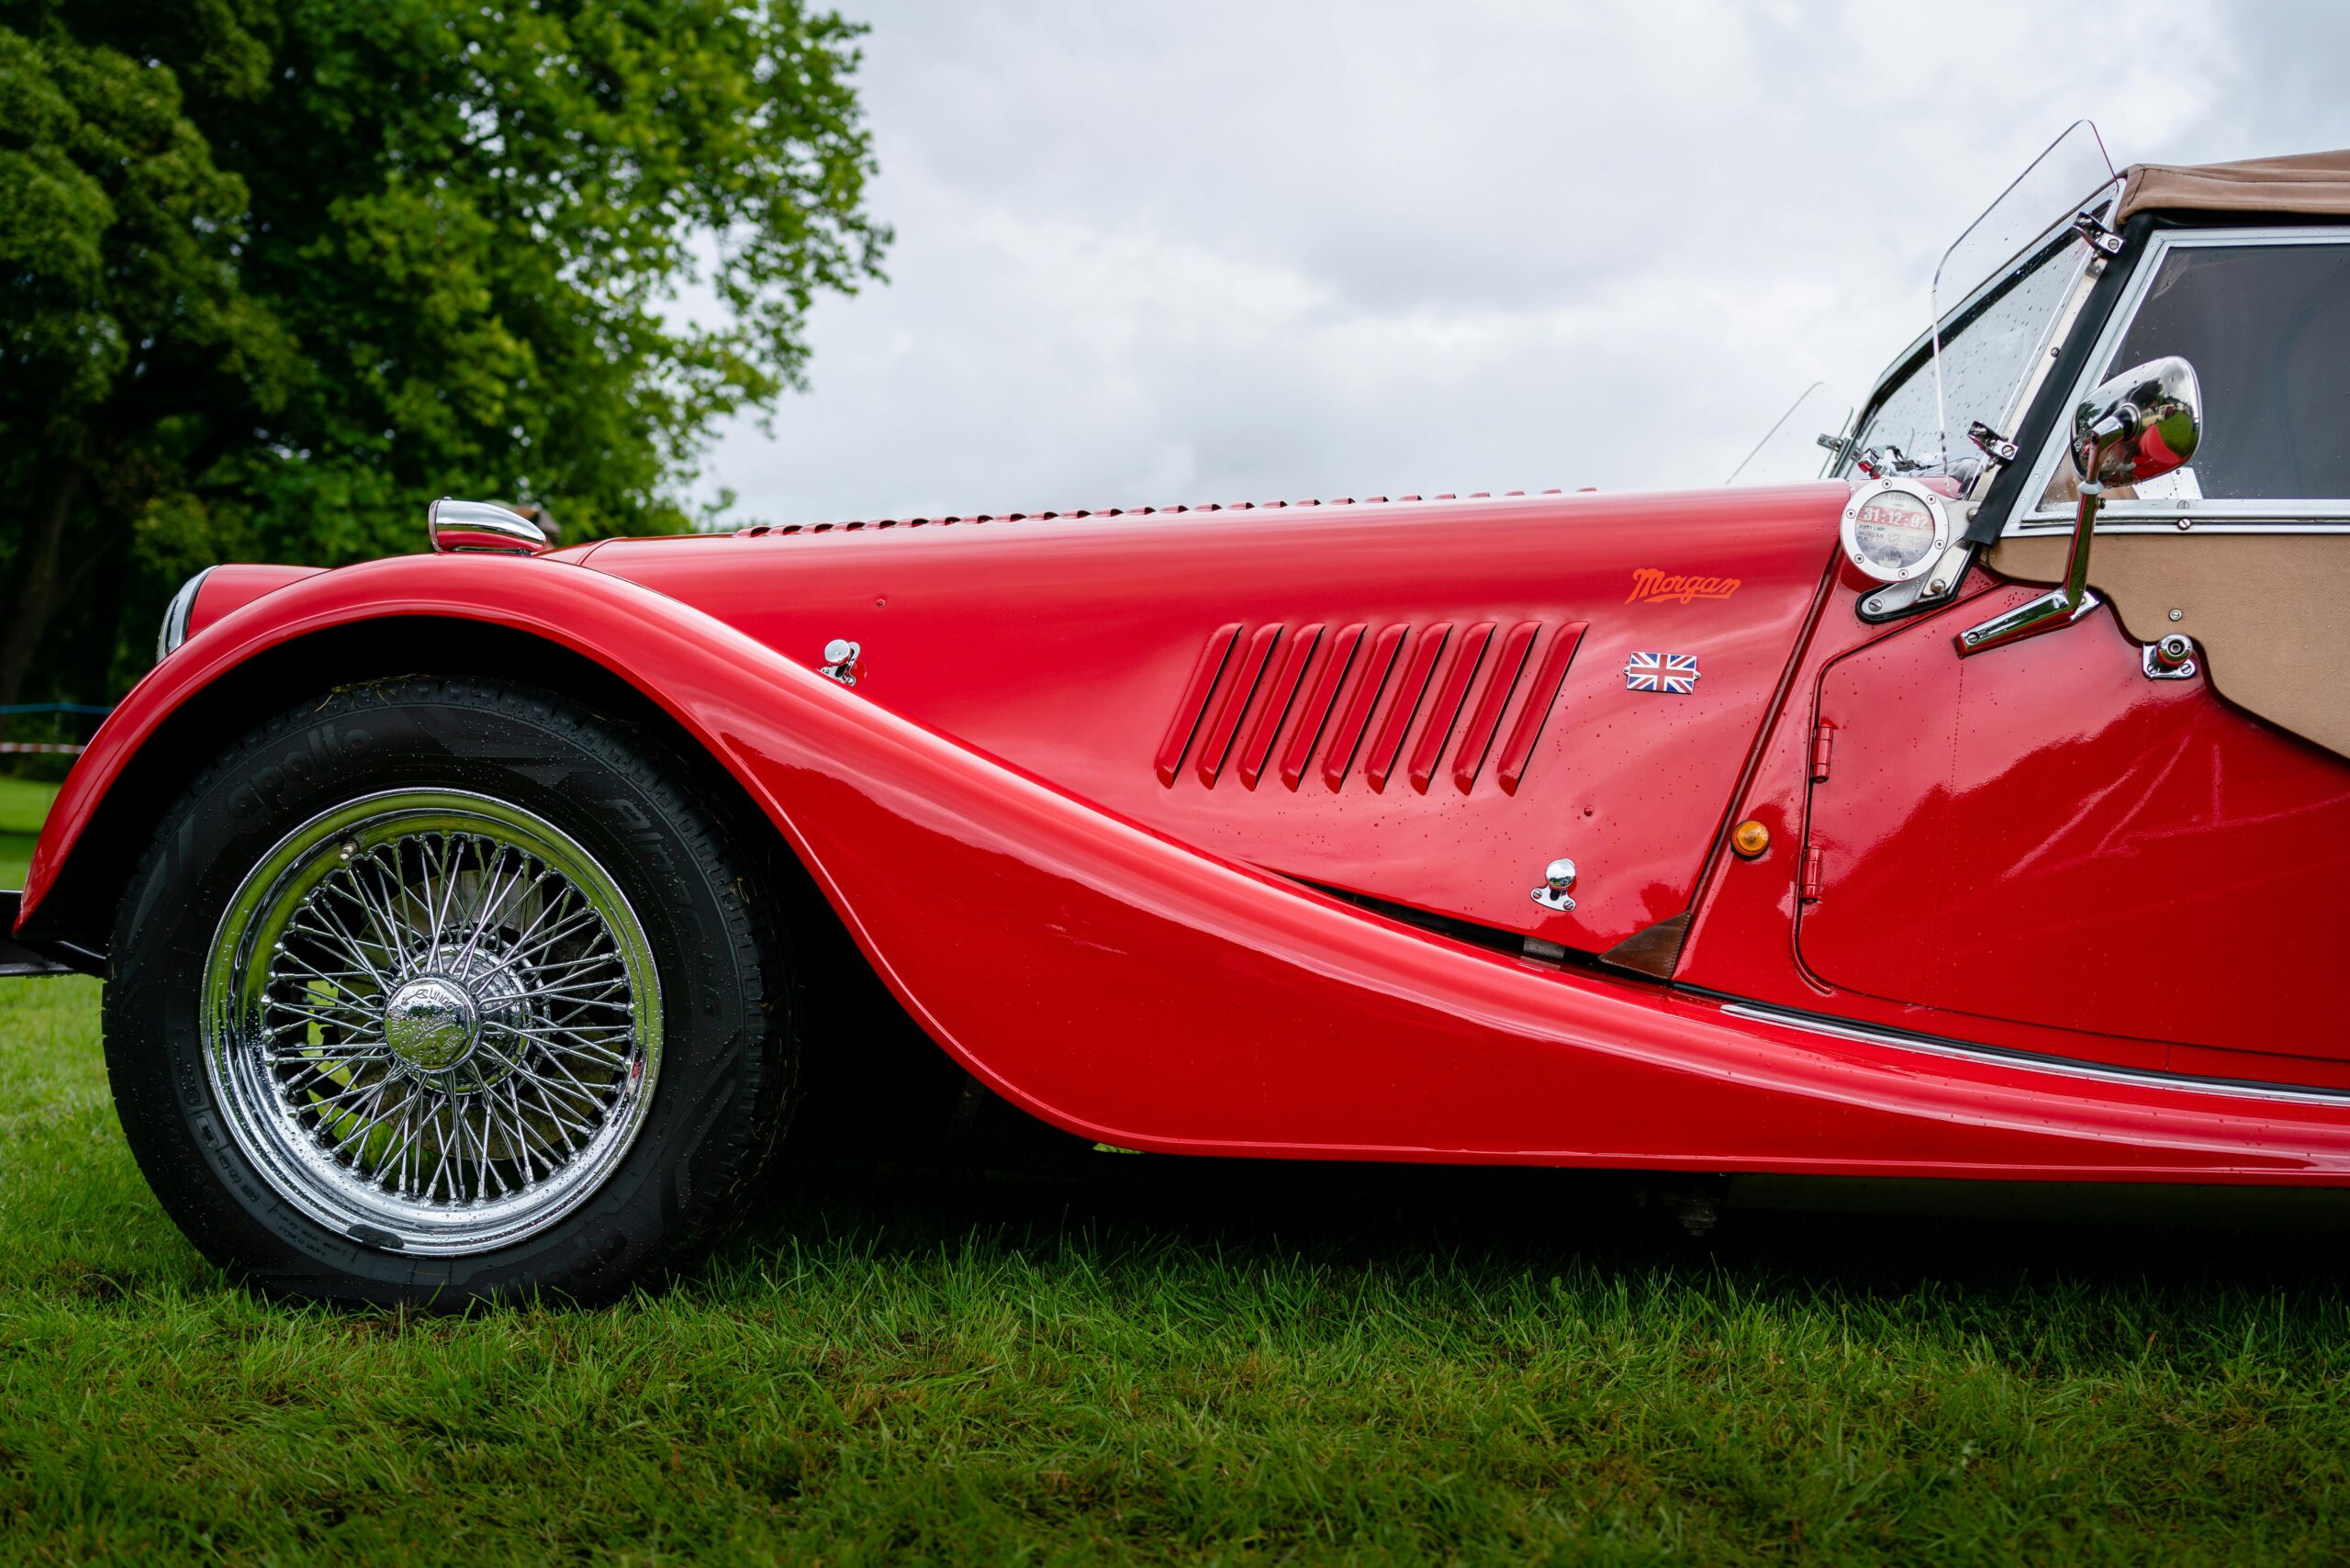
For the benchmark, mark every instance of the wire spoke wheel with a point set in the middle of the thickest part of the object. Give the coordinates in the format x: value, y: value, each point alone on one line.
x: 432, y: 1020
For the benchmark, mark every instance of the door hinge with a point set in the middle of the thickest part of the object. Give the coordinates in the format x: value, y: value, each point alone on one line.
x: 1823, y: 742
x: 1811, y: 876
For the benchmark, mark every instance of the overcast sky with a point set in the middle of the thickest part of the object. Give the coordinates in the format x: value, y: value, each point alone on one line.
x: 1204, y: 252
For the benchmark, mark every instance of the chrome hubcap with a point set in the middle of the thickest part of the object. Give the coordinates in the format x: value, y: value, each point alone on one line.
x: 432, y: 1024
x: 433, y: 1021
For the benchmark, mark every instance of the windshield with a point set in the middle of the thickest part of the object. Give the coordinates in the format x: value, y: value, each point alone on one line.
x: 1802, y: 443
x: 1996, y: 300
x: 1920, y: 420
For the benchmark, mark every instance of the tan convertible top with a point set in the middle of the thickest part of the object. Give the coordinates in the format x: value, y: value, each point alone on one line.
x: 2315, y: 184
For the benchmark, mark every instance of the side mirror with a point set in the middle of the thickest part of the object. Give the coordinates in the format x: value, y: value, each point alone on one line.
x: 2139, y: 425
x: 2136, y: 426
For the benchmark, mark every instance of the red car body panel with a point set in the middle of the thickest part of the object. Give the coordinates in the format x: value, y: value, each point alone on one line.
x: 2108, y: 854
x: 1744, y: 942
x: 1161, y: 995
x: 1423, y: 703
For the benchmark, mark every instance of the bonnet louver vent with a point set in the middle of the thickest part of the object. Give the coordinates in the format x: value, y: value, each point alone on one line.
x: 1278, y: 693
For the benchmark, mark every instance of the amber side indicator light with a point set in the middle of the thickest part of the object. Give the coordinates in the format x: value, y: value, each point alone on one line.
x: 1749, y: 838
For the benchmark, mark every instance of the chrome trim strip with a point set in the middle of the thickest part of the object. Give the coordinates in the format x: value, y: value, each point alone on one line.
x: 2058, y: 1067
x: 2043, y: 358
x: 2276, y: 515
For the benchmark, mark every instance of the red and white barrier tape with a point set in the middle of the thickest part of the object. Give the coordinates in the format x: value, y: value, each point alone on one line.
x: 32, y: 745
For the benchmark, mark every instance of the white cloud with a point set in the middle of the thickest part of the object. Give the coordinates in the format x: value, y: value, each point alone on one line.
x: 1219, y: 251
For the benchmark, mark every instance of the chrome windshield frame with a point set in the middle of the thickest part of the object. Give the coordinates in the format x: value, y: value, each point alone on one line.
x: 1917, y: 358
x: 2279, y: 515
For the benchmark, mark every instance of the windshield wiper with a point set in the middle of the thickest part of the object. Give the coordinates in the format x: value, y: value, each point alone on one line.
x: 1879, y: 462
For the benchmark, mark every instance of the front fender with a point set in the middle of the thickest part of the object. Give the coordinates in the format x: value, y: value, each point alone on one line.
x: 1136, y: 990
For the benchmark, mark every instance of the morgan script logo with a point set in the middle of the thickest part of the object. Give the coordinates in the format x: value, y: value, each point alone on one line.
x: 1653, y: 586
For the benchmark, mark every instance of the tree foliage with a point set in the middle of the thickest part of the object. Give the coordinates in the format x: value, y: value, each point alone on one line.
x: 279, y: 271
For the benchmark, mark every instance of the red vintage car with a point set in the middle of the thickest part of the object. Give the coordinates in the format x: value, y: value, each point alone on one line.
x: 482, y: 921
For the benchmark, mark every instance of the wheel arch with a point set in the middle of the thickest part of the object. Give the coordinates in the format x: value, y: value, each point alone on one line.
x: 850, y: 1002
x: 78, y: 905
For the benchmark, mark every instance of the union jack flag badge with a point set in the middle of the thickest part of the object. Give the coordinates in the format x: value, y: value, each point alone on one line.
x: 1673, y: 673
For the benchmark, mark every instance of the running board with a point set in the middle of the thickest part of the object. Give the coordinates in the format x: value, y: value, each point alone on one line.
x: 22, y: 957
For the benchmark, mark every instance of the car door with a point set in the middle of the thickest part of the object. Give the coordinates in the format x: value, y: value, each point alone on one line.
x: 2061, y: 832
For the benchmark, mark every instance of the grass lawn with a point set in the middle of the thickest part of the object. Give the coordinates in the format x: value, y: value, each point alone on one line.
x: 23, y: 805
x: 1170, y: 1361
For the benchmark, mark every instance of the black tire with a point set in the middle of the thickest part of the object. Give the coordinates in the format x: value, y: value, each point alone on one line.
x: 725, y: 1056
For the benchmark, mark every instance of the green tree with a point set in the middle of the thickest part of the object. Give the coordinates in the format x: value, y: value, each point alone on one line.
x: 277, y: 272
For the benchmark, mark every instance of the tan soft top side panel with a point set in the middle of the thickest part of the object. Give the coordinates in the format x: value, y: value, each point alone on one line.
x: 2270, y: 610
x: 2312, y: 183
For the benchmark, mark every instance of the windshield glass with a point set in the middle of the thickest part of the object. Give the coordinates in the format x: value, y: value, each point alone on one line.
x: 1920, y: 421
x: 1802, y: 445
x: 1996, y: 296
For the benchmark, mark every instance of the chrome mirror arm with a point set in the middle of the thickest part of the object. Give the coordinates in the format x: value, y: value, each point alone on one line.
x: 2138, y: 425
x: 2059, y: 606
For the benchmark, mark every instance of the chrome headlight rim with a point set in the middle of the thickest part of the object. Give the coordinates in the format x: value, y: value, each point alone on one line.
x: 1937, y: 511
x: 178, y: 614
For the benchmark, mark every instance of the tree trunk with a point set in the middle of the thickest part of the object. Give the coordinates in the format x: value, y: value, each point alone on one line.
x: 37, y: 590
